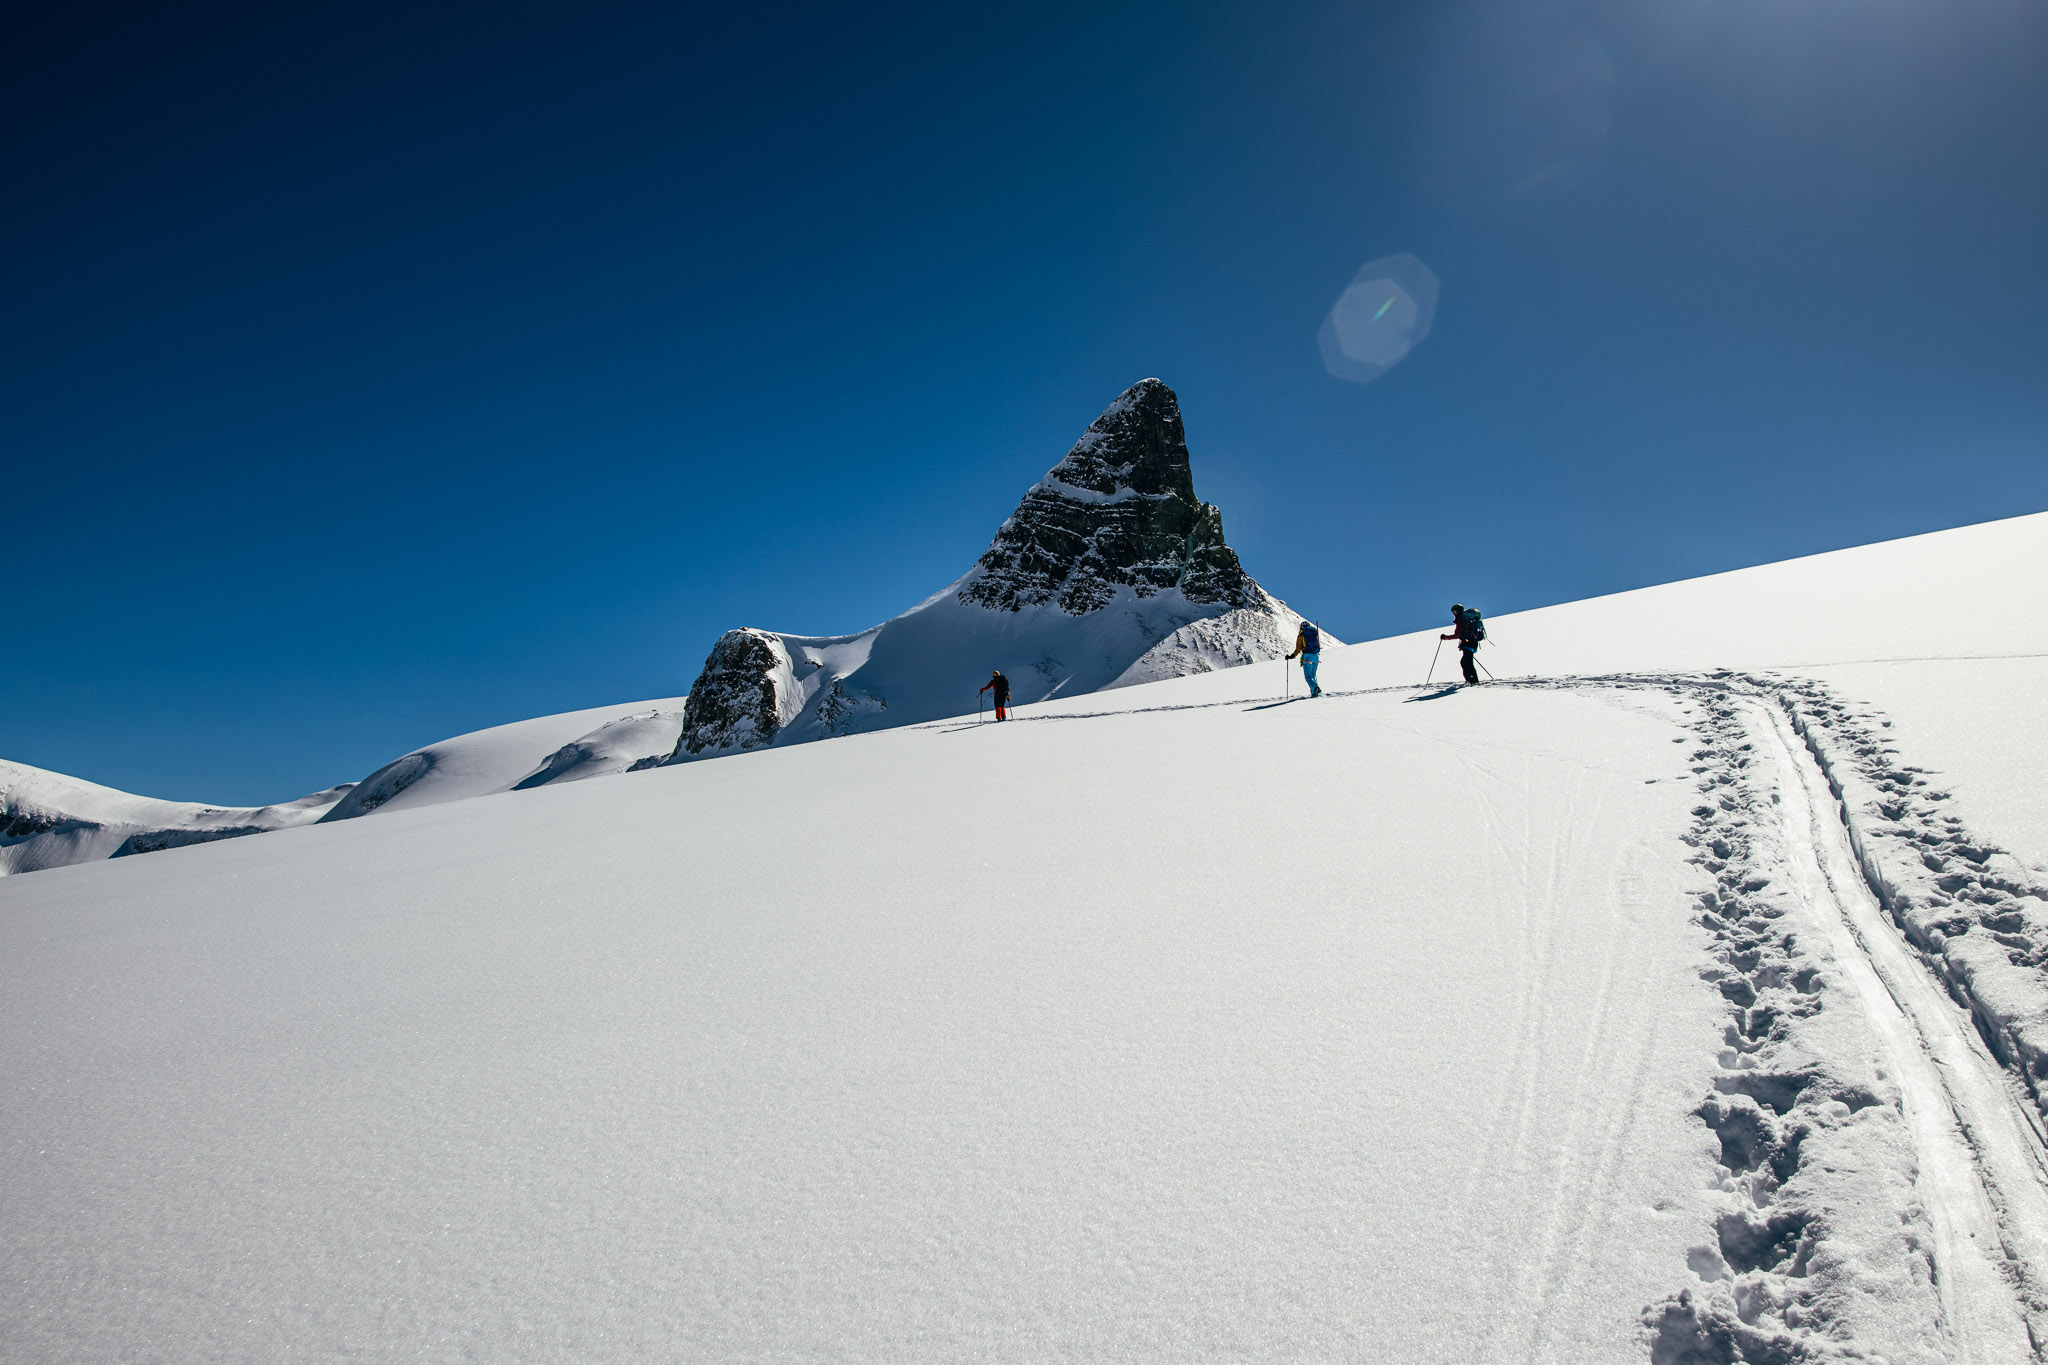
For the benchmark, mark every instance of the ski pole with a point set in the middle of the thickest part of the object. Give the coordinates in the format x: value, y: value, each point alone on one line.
x: 1286, y: 682
x: 1483, y: 668
x: 1432, y: 660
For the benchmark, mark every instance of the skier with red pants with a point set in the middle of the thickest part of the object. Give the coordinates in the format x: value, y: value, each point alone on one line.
x: 1000, y: 685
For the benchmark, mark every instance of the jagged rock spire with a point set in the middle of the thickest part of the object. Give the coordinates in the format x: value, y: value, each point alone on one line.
x: 1119, y: 511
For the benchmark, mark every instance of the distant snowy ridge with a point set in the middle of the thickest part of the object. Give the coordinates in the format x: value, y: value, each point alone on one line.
x: 1111, y: 572
x: 50, y: 820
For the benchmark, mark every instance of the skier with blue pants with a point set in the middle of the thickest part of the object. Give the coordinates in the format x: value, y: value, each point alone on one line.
x: 1308, y: 646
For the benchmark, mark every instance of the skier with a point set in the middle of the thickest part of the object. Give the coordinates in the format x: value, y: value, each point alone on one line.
x: 1308, y: 644
x: 1000, y: 685
x: 1468, y: 630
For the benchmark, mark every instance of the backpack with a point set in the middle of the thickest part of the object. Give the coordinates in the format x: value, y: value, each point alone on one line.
x: 1475, y: 625
x: 1311, y: 640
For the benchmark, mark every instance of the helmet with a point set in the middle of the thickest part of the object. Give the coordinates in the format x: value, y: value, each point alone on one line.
x: 1457, y: 606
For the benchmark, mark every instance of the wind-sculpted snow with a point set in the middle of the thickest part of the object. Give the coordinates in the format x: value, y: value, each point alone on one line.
x: 1110, y: 572
x: 518, y: 757
x: 628, y: 744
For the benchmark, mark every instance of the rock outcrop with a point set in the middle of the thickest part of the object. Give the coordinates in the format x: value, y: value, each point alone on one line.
x: 742, y: 698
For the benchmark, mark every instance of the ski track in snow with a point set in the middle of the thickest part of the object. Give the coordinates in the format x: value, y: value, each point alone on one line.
x: 1794, y: 1268
x: 1981, y: 1163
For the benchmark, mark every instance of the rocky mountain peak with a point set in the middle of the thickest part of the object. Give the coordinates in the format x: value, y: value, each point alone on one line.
x: 1110, y: 573
x: 1137, y: 445
x: 1119, y: 510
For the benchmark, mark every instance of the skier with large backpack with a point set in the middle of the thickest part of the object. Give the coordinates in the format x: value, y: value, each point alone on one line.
x: 1308, y: 646
x: 1468, y: 629
x: 999, y: 685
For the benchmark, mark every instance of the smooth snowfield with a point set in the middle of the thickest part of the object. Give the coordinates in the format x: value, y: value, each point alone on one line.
x: 1358, y: 1029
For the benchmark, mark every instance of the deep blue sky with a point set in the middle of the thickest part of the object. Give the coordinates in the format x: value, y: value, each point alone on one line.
x: 376, y: 374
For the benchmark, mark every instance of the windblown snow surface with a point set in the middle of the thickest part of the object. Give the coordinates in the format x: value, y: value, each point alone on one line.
x: 1666, y: 1001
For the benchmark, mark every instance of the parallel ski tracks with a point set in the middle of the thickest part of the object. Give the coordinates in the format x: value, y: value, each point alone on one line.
x: 1983, y: 1175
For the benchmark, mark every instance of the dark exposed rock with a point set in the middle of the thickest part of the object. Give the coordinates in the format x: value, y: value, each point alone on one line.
x: 158, y: 840
x: 1119, y: 511
x: 19, y: 822
x: 736, y: 701
x: 840, y: 708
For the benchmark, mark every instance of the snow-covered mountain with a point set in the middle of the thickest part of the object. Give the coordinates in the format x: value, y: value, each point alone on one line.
x: 1111, y: 572
x: 1681, y: 998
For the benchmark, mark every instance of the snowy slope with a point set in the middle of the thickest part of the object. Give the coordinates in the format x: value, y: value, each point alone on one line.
x: 1947, y: 633
x: 50, y: 820
x: 932, y: 660
x: 1567, y: 1020
x: 1167, y: 1037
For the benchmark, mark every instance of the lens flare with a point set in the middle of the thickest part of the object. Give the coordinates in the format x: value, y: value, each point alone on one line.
x: 1379, y: 319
